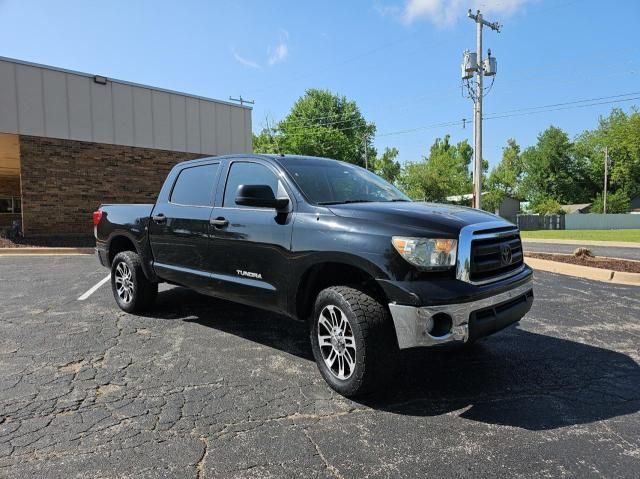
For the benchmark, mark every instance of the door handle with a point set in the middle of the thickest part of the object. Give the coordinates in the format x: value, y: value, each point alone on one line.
x: 219, y: 222
x: 159, y: 218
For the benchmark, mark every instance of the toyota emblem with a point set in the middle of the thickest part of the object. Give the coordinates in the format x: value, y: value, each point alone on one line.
x: 505, y: 254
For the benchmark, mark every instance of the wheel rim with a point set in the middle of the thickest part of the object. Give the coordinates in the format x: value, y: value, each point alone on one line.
x: 337, y: 343
x: 124, y: 285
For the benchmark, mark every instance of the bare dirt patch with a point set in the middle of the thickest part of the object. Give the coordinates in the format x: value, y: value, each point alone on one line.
x: 594, y: 262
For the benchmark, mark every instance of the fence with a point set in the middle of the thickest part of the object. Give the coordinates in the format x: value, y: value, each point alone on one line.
x: 602, y: 222
x: 540, y: 222
x: 578, y: 222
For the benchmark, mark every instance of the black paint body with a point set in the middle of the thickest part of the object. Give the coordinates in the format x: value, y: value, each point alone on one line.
x: 183, y: 247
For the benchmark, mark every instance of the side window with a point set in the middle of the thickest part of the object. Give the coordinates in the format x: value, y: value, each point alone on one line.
x: 247, y: 174
x: 194, y: 186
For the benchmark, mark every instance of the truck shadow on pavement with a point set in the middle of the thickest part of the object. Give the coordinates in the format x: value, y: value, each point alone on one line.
x: 515, y: 378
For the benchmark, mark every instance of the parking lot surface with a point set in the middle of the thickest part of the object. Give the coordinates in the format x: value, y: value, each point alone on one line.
x: 204, y: 388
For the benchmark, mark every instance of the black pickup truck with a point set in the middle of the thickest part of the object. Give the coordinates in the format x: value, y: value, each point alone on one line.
x: 325, y: 242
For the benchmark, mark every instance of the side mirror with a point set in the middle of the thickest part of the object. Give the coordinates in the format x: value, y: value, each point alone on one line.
x: 260, y: 196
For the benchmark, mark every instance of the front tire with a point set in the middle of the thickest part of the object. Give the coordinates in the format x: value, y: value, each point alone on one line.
x: 353, y: 342
x: 131, y: 289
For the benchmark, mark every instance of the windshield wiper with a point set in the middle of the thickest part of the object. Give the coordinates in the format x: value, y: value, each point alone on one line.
x: 343, y: 202
x: 400, y: 199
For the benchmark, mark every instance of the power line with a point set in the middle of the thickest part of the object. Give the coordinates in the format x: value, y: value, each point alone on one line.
x: 565, y: 103
x: 585, y: 103
x: 562, y: 108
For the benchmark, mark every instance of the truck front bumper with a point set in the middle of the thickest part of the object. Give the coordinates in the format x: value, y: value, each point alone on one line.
x: 440, y: 324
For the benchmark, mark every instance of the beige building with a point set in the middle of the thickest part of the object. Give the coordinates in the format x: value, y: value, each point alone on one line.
x: 70, y: 141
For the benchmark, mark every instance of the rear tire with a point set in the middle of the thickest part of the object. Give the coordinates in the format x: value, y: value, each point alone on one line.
x: 353, y: 341
x: 132, y: 290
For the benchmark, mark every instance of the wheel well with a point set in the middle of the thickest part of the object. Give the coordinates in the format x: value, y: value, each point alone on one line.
x: 118, y: 245
x: 324, y: 275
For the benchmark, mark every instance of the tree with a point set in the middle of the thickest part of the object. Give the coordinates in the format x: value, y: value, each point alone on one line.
x: 264, y: 142
x: 620, y: 134
x: 386, y: 166
x: 505, y: 178
x: 445, y: 172
x: 321, y: 123
x: 553, y: 170
x: 617, y: 202
x: 546, y: 206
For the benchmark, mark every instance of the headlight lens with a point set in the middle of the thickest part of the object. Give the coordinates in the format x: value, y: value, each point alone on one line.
x: 427, y: 253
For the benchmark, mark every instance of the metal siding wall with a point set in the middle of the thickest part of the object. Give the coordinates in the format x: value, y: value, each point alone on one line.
x: 595, y: 221
x: 102, y: 112
x: 122, y: 114
x: 238, y: 137
x: 223, y: 128
x: 43, y: 101
x: 161, y: 107
x: 79, y: 108
x: 142, y: 118
x: 30, y: 100
x: 8, y: 98
x: 56, y: 112
x: 208, y: 126
x: 178, y: 123
x: 193, y: 125
x: 247, y: 131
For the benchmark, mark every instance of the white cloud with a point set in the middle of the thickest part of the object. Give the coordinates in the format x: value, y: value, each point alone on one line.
x: 447, y: 12
x: 280, y: 52
x: 244, y: 61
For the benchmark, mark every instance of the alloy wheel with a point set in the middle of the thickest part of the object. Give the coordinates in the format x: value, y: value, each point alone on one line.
x: 124, y: 284
x: 337, y: 342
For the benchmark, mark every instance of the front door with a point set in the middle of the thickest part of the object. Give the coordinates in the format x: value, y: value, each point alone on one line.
x: 179, y: 227
x: 250, y: 246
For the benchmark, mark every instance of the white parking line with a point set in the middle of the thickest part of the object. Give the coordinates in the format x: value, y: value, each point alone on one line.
x: 94, y: 288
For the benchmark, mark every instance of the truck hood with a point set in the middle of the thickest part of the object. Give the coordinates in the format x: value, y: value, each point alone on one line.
x: 416, y: 216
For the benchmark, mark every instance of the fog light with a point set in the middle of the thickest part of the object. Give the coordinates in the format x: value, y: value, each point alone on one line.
x: 439, y: 325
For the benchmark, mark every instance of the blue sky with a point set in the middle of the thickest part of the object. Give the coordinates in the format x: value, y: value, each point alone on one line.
x: 398, y: 59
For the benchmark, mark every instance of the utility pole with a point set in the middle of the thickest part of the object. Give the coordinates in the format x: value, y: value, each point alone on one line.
x: 473, y: 63
x: 366, y: 158
x: 606, y: 174
x: 242, y: 101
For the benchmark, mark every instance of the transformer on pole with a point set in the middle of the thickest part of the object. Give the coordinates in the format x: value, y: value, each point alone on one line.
x: 473, y: 64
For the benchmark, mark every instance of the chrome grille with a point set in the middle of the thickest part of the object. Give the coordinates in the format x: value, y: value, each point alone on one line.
x: 489, y: 252
x: 495, y: 256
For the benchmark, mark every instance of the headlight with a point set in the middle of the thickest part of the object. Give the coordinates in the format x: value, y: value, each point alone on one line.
x: 427, y: 253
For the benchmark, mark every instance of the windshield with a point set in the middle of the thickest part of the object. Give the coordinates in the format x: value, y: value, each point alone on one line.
x: 327, y: 182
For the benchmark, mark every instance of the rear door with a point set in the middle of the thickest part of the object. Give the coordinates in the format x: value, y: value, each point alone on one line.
x: 179, y: 227
x: 250, y: 247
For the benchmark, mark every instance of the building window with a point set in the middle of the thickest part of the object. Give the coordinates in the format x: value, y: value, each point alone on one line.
x: 10, y: 205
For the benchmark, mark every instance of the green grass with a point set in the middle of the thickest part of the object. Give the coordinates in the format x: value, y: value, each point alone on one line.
x: 631, y: 236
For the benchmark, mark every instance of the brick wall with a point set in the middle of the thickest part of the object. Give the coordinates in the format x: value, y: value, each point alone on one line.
x: 64, y: 181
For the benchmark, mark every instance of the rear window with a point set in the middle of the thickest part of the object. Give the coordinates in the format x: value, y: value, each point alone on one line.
x: 194, y: 186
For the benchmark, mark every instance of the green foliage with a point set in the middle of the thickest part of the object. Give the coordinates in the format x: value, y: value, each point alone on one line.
x: 620, y: 133
x: 386, y: 166
x: 553, y: 170
x: 321, y: 123
x: 546, y: 206
x: 445, y: 172
x: 264, y: 142
x: 617, y: 202
x: 504, y: 178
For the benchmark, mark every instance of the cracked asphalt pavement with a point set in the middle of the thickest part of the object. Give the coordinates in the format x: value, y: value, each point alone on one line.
x: 203, y: 388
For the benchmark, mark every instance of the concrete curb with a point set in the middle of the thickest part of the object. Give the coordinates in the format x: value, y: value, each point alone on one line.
x: 616, y: 244
x: 45, y: 251
x: 586, y: 272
